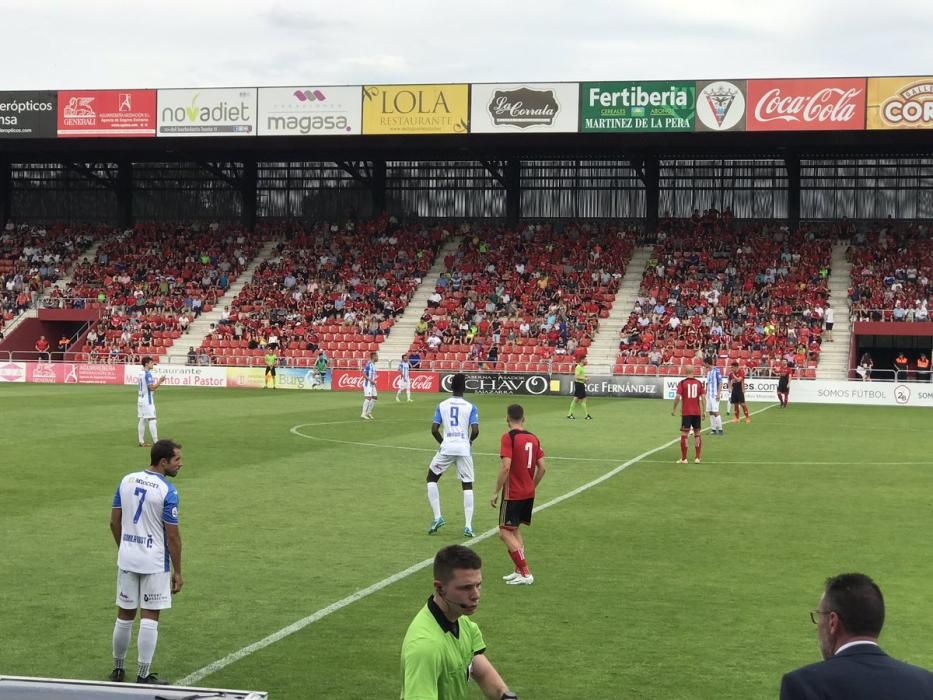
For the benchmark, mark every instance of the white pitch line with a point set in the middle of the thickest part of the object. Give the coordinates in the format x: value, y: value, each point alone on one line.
x: 299, y: 625
x: 807, y: 464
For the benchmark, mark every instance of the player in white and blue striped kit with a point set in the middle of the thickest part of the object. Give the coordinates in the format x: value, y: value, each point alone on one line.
x: 145, y: 405
x: 369, y: 387
x: 713, y: 389
x: 144, y: 523
x: 404, y: 379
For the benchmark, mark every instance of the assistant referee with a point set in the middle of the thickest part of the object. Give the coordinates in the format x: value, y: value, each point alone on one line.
x: 443, y: 647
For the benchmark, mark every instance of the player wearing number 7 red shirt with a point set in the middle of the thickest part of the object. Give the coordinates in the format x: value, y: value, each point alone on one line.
x: 691, y: 392
x: 522, y: 470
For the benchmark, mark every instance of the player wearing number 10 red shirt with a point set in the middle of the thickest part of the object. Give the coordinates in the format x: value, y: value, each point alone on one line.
x: 522, y: 470
x: 691, y: 392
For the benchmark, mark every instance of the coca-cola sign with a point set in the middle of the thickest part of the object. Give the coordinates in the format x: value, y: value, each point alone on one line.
x: 812, y: 104
x: 348, y: 380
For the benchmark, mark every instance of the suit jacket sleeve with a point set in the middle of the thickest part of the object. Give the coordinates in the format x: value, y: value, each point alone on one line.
x: 793, y: 688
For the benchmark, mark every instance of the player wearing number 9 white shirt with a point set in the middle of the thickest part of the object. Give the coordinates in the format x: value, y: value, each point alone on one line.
x: 460, y: 421
x: 144, y: 523
x: 145, y: 405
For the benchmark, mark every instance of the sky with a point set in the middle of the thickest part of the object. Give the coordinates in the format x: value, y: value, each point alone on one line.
x: 59, y: 44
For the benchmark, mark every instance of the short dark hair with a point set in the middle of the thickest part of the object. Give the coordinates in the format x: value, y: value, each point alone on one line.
x: 858, y: 602
x: 454, y: 556
x: 145, y: 361
x: 515, y: 412
x: 162, y: 449
x: 458, y: 383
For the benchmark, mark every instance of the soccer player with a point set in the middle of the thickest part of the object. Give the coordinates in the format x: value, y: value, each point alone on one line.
x: 369, y: 387
x: 272, y: 360
x: 690, y: 391
x: 144, y: 523
x: 783, y: 387
x: 443, y: 648
x: 517, y: 487
x: 320, y: 369
x: 579, y: 390
x: 145, y: 406
x: 713, y: 389
x: 455, y: 415
x: 737, y: 392
x: 404, y: 382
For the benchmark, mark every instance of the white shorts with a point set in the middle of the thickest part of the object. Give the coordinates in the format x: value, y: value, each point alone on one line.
x: 144, y: 409
x: 404, y: 383
x: 712, y: 405
x: 146, y: 591
x: 464, y: 463
x: 369, y: 392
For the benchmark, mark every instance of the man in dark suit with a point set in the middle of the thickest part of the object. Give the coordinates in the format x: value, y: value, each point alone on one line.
x: 848, y: 622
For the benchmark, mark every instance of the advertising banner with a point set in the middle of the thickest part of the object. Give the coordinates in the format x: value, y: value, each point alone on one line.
x: 12, y: 371
x: 310, y: 111
x: 117, y: 113
x: 500, y: 383
x: 348, y: 380
x: 721, y: 105
x: 180, y: 375
x: 524, y: 108
x: 638, y: 106
x: 45, y: 373
x: 94, y: 374
x: 285, y: 378
x: 207, y: 112
x: 28, y: 115
x: 416, y: 109
x: 900, y: 103
x: 806, y: 104
x: 756, y: 389
x: 623, y: 387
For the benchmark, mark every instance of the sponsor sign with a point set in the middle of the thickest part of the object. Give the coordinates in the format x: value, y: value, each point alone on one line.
x: 45, y: 373
x: 416, y: 109
x: 310, y: 111
x: 720, y: 105
x: 12, y: 372
x: 28, y: 115
x: 756, y: 389
x: 180, y: 375
x: 94, y: 374
x: 117, y: 113
x: 638, y: 106
x: 500, y: 383
x: 625, y: 387
x: 900, y: 103
x: 208, y: 112
x: 806, y: 104
x: 524, y: 108
x: 347, y: 380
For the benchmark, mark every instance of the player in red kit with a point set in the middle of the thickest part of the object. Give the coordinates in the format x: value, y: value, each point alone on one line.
x: 691, y: 392
x: 522, y: 470
x: 783, y: 387
x: 737, y: 392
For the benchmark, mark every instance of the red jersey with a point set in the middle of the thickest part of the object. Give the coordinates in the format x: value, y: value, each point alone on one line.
x: 690, y: 391
x: 737, y: 377
x: 524, y: 450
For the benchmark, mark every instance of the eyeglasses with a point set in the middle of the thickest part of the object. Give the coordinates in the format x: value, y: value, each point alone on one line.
x: 815, y: 615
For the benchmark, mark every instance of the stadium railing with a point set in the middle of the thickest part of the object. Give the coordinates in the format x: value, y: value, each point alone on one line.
x: 890, y: 375
x: 881, y: 316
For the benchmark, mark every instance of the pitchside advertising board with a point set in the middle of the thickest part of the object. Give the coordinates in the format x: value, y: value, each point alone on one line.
x: 500, y: 383
x: 623, y: 387
x: 113, y: 113
x: 637, y: 106
x: 28, y: 115
x: 900, y: 103
x: 310, y: 111
x: 207, y: 112
x: 285, y: 378
x: 386, y: 381
x: 524, y: 108
x: 810, y: 104
x: 416, y: 109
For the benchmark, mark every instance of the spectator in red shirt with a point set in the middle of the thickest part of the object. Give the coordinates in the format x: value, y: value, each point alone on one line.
x: 42, y: 347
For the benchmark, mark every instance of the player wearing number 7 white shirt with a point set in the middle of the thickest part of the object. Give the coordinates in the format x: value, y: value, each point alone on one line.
x: 144, y: 523
x: 457, y: 416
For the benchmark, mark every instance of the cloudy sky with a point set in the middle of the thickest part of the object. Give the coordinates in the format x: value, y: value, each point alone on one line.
x: 106, y: 44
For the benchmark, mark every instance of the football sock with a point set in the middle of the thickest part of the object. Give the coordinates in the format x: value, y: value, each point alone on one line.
x: 408, y: 394
x: 736, y: 411
x: 434, y: 498
x: 744, y: 410
x: 146, y: 642
x: 153, y: 431
x: 521, y: 566
x: 122, y: 631
x: 142, y: 430
x: 586, y: 411
x: 697, y: 444
x: 719, y: 423
x: 683, y: 447
x: 573, y: 405
x: 398, y: 394
x: 365, y: 406
x: 468, y: 508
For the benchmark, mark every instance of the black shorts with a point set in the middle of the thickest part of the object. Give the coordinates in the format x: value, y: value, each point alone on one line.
x: 783, y: 385
x: 270, y: 370
x: 515, y: 513
x: 829, y: 326
x: 737, y: 396
x: 687, y: 422
x: 579, y: 390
